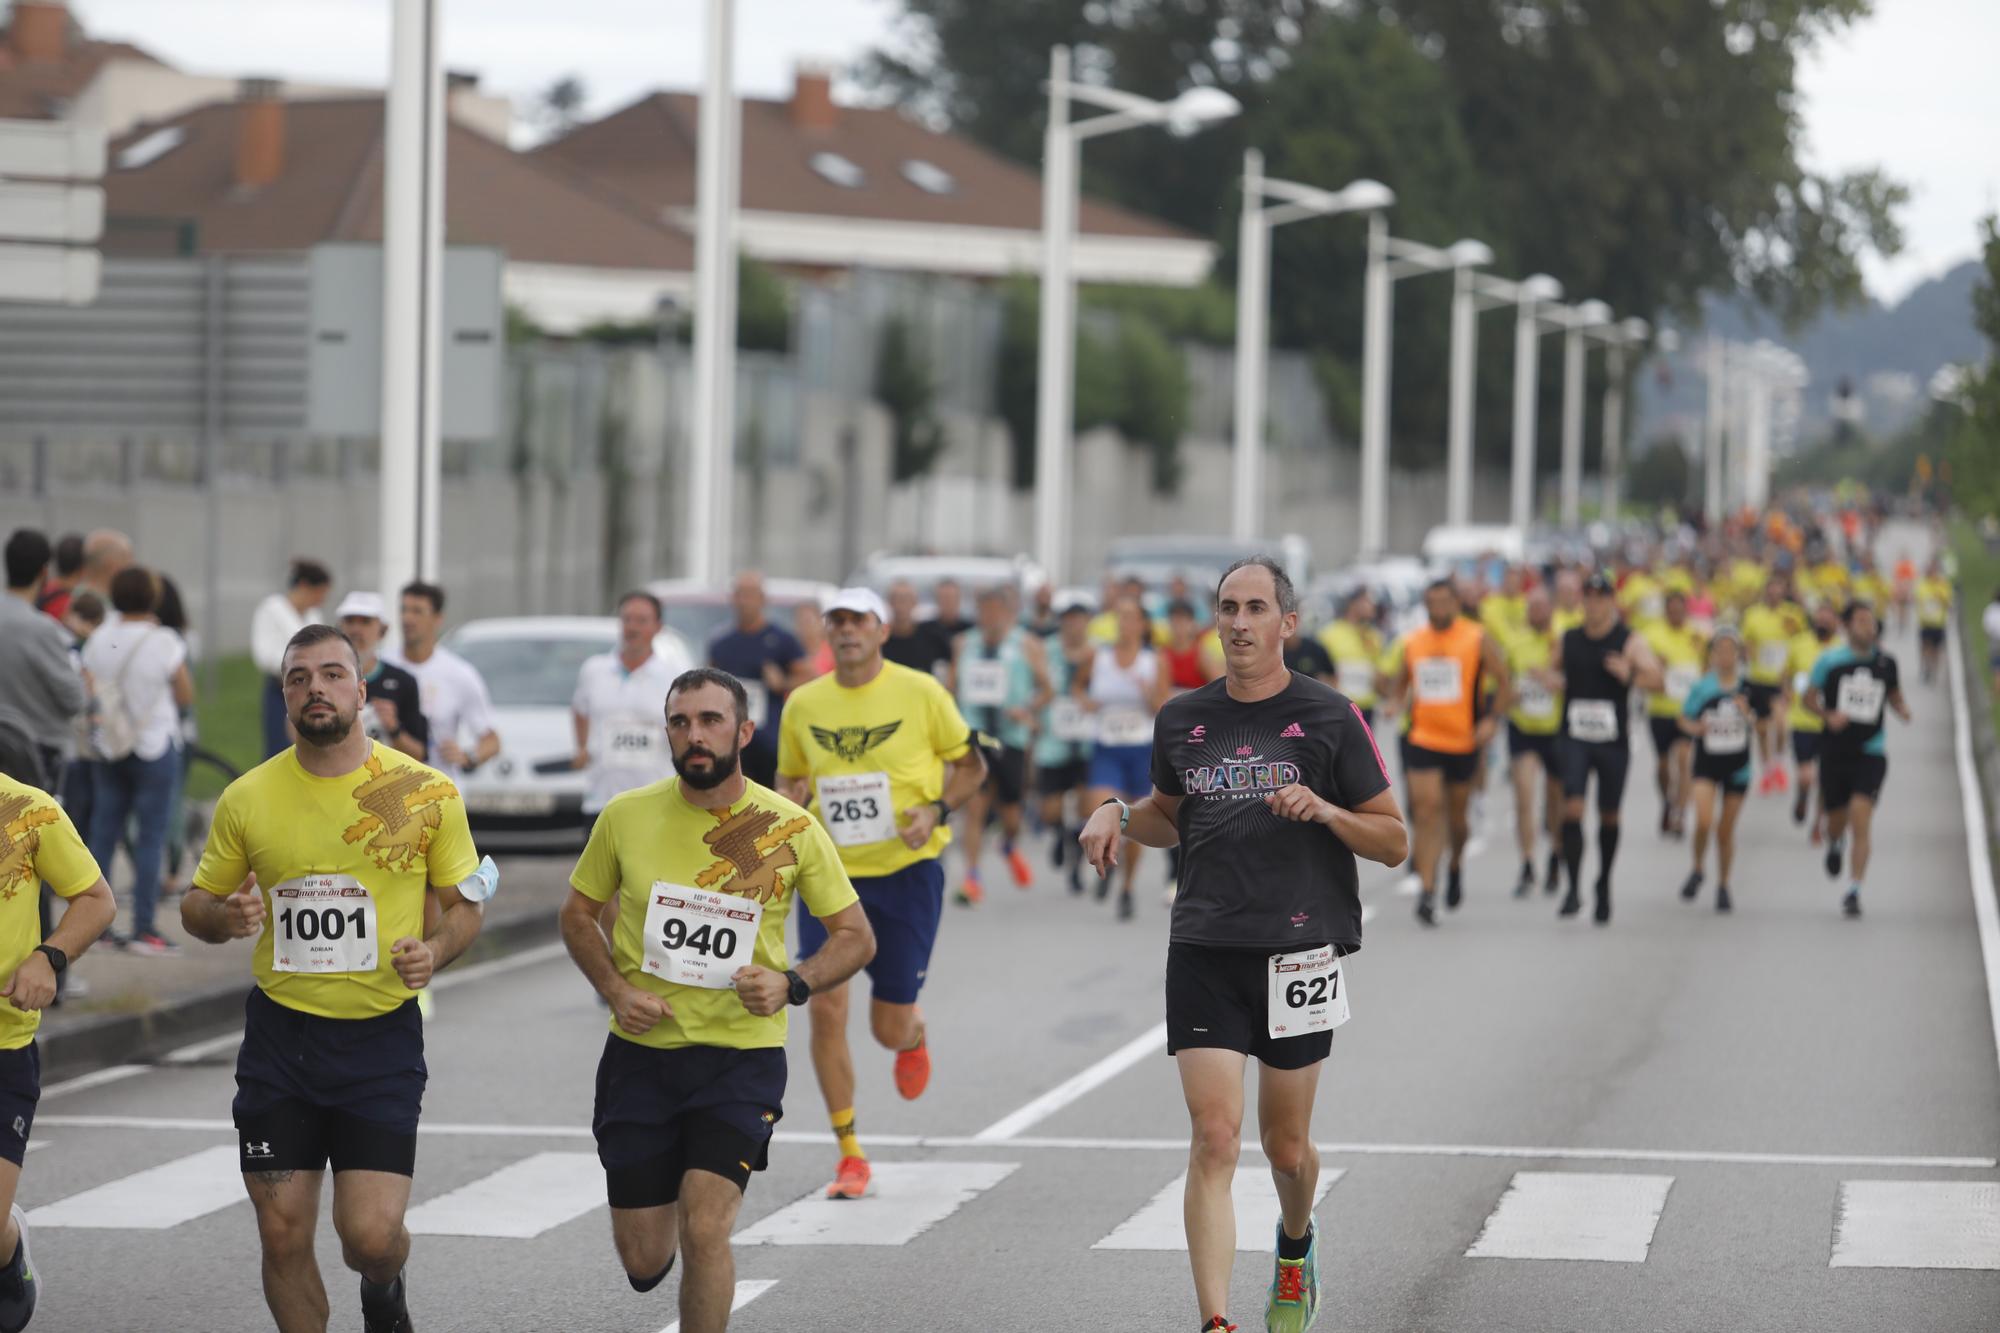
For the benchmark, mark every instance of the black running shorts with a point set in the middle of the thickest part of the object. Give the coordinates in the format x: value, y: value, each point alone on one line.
x: 1763, y: 698
x: 1577, y: 760
x: 1667, y: 733
x: 1459, y: 769
x: 1842, y: 777
x: 313, y: 1091
x: 661, y: 1113
x: 1219, y: 997
x: 20, y: 1093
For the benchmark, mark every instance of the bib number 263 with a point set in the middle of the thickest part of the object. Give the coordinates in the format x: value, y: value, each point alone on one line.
x: 1308, y: 992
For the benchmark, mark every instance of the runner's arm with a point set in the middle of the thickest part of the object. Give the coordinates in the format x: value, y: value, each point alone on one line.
x: 1495, y: 662
x: 796, y: 790
x: 457, y: 926
x: 581, y: 725
x: 1373, y: 830
x: 1038, y: 663
x: 850, y: 944
x: 588, y: 948
x: 1646, y: 672
x: 1896, y: 702
x: 1154, y: 822
x: 488, y: 747
x: 963, y: 777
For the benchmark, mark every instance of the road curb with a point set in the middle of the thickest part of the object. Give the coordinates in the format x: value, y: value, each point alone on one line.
x: 141, y: 1038
x: 1985, y: 744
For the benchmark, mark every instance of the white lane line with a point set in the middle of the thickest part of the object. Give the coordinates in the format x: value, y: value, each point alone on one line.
x: 201, y: 1050
x: 154, y: 1199
x: 1149, y: 1042
x: 1978, y: 851
x: 96, y: 1078
x: 34, y: 1144
x: 746, y: 1292
x: 520, y: 1201
x: 1917, y: 1224
x: 910, y: 1199
x: 1566, y: 1215
x: 1159, y: 1225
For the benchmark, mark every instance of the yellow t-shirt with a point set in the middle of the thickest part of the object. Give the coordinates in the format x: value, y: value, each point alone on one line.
x: 1675, y: 578
x: 1642, y: 599
x: 1563, y: 621
x: 1503, y: 617
x: 1354, y: 650
x: 1746, y: 582
x: 37, y: 842
x: 1873, y: 589
x: 1933, y: 602
x: 1388, y: 667
x: 1767, y: 636
x: 1537, y: 711
x: 1806, y: 649
x: 1680, y: 652
x: 902, y: 724
x: 763, y: 849
x: 385, y: 832
x: 1830, y: 579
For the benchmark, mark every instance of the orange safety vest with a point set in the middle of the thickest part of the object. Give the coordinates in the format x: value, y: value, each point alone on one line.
x: 1444, y: 685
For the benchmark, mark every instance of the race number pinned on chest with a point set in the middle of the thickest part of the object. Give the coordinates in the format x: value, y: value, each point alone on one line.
x: 1124, y: 726
x: 1439, y: 680
x: 1069, y: 722
x: 983, y: 684
x: 1357, y: 678
x: 856, y: 808
x: 1860, y: 697
x: 323, y: 924
x: 1593, y: 720
x: 698, y: 938
x: 1537, y: 700
x: 1771, y: 657
x: 1727, y: 731
x: 1308, y: 992
x: 633, y: 741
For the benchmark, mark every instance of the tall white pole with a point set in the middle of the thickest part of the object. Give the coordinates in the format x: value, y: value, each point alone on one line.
x: 1056, y: 358
x: 1614, y: 426
x: 1572, y: 426
x: 1377, y: 294
x: 711, y: 441
x: 412, y: 262
x: 1527, y: 375
x: 1464, y: 352
x: 1252, y: 303
x: 1757, y: 436
x: 1716, y: 375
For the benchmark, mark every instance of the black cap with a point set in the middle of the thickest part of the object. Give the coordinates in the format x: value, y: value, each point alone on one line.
x: 1599, y: 582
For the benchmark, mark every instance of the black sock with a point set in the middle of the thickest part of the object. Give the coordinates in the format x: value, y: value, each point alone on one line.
x: 648, y: 1283
x: 1573, y: 850
x: 382, y: 1297
x: 1294, y: 1249
x: 12, y: 1268
x: 1607, y: 847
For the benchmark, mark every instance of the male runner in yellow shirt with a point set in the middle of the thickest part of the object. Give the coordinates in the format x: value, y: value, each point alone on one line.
x: 1768, y: 626
x: 1934, y: 601
x: 1682, y: 650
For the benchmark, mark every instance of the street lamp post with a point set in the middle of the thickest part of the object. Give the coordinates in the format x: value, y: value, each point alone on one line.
x: 1578, y: 320
x: 712, y: 436
x: 1253, y: 302
x: 1061, y: 147
x: 1630, y: 333
x: 1715, y: 374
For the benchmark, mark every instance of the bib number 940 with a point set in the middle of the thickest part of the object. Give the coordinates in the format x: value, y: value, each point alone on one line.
x: 698, y: 938
x: 1307, y: 993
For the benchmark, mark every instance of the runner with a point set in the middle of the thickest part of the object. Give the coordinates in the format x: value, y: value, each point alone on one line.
x: 327, y: 853
x: 395, y: 712
x: 1063, y: 741
x: 1392, y: 692
x: 1531, y: 738
x: 912, y: 643
x: 881, y: 755
x: 38, y: 844
x: 1444, y: 663
x: 1849, y: 686
x: 1934, y: 602
x: 1768, y: 627
x: 1905, y: 592
x: 705, y: 867
x: 1806, y: 728
x: 1355, y: 645
x: 1504, y: 612
x: 1122, y: 685
x: 616, y: 706
x: 1186, y: 653
x: 769, y: 660
x: 1269, y: 908
x: 454, y: 695
x: 1716, y: 714
x: 1000, y: 672
x: 1679, y: 647
x: 1602, y: 662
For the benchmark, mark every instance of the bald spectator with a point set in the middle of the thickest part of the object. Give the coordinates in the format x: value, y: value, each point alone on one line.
x: 40, y: 688
x: 278, y: 618
x: 769, y: 660
x: 106, y: 553
x: 64, y: 571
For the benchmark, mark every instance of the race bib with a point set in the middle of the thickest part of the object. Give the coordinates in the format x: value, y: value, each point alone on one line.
x: 757, y: 703
x: 1307, y: 992
x: 856, y: 809
x: 1124, y: 726
x: 1652, y: 606
x: 1801, y: 682
x: 1439, y: 680
x: 1681, y: 679
x: 323, y: 924
x: 983, y: 684
x: 1357, y: 678
x: 632, y: 741
x: 1931, y: 610
x: 698, y: 938
x: 1538, y: 701
x: 1728, y: 731
x: 1069, y: 721
x: 1771, y: 657
x: 1861, y: 698
x: 1594, y: 720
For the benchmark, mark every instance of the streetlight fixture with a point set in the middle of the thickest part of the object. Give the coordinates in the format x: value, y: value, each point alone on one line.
x: 1533, y: 299
x: 1253, y: 309
x: 1588, y: 316
x: 1473, y: 294
x: 1185, y: 114
x: 1616, y: 339
x: 711, y: 497
x: 1390, y: 259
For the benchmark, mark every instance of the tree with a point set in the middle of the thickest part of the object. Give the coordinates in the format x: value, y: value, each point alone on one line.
x: 1974, y: 454
x: 904, y: 387
x: 1661, y: 476
x: 561, y: 106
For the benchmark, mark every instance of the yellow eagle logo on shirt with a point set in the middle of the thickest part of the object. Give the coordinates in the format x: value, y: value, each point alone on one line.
x: 752, y: 851
x: 400, y: 809
x: 20, y: 841
x: 850, y: 743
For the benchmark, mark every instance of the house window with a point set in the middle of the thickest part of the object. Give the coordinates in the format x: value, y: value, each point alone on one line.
x: 152, y: 148
x: 928, y: 176
x: 839, y: 170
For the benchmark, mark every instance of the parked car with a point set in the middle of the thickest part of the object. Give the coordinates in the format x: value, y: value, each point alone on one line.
x: 698, y: 611
x: 970, y: 572
x: 1398, y: 582
x: 1155, y: 561
x: 1447, y: 545
x: 528, y: 797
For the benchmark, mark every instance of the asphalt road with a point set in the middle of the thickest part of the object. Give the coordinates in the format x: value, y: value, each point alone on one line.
x: 1776, y: 1120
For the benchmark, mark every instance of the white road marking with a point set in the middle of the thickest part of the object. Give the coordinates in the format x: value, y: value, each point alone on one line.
x: 34, y: 1144
x: 1159, y: 1225
x: 1572, y: 1215
x: 910, y: 1199
x: 1367, y: 913
x: 201, y: 1050
x: 746, y: 1292
x: 155, y: 1199
x: 519, y: 1201
x: 1977, y: 850
x: 1917, y: 1224
x: 96, y: 1078
x: 1149, y: 1042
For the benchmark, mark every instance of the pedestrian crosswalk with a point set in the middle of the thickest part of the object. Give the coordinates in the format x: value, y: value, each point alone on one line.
x: 1558, y: 1215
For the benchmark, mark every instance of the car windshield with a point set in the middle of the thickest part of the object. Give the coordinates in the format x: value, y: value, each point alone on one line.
x: 531, y: 672
x: 698, y: 622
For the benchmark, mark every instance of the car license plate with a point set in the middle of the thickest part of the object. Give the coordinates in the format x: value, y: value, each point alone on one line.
x: 509, y: 803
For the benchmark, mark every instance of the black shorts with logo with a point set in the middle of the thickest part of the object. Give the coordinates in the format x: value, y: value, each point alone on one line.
x: 1459, y: 769
x: 1219, y: 997
x: 20, y: 1093
x: 1842, y: 777
x: 661, y: 1113
x: 313, y: 1091
x: 1611, y: 761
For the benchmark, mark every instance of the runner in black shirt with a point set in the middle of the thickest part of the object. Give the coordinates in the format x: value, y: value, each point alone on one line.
x: 1849, y: 686
x: 1602, y: 662
x: 920, y: 647
x: 1272, y: 785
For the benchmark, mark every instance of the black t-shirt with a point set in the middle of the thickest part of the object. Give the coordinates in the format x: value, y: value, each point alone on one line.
x: 1585, y: 678
x: 919, y: 650
x: 1306, y: 654
x: 1864, y: 702
x: 400, y: 688
x: 1249, y: 878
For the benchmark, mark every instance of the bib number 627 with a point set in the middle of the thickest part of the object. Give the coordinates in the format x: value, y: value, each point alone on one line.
x: 1318, y: 990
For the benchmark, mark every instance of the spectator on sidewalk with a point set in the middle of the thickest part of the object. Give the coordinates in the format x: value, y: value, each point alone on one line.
x: 41, y: 691
x: 619, y: 707
x: 64, y: 572
x: 394, y: 713
x: 172, y: 613
x: 139, y: 674
x: 277, y: 619
x: 454, y: 695
x: 106, y: 553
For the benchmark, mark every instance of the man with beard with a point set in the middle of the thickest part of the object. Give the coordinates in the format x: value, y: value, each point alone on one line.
x: 692, y: 1078
x: 328, y: 853
x: 883, y: 757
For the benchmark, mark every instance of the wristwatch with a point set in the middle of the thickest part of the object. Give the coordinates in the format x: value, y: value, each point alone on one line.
x: 1124, y: 811
x: 800, y: 992
x: 57, y: 958
x: 944, y: 811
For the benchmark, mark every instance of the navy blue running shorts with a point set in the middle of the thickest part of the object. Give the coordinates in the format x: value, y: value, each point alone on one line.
x: 20, y: 1092
x: 905, y: 909
x: 313, y: 1091
x: 662, y: 1112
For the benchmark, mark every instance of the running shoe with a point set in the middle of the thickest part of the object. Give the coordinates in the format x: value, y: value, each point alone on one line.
x: 1552, y: 877
x: 1057, y: 846
x: 1799, y: 805
x: 150, y: 944
x: 1024, y: 874
x: 1851, y: 904
x: 913, y: 1069
x: 1219, y: 1324
x: 1781, y: 781
x: 1293, y: 1304
x: 1427, y: 908
x: 393, y: 1319
x: 1722, y: 903
x: 969, y: 893
x: 1833, y: 851
x: 1527, y: 882
x: 1602, y: 916
x: 1125, y: 907
x: 1454, y: 889
x: 853, y: 1180
x: 1076, y: 877
x: 19, y: 1288
x: 1571, y: 904
x: 1692, y: 888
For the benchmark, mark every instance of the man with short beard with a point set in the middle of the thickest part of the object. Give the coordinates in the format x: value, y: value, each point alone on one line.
x: 692, y: 1079
x: 328, y: 853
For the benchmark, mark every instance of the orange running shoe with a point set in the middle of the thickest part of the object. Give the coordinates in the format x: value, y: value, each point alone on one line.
x: 970, y: 894
x: 1024, y: 874
x: 852, y: 1181
x: 913, y: 1070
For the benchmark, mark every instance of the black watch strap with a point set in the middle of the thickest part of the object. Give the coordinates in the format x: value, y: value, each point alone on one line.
x: 57, y: 958
x: 801, y: 989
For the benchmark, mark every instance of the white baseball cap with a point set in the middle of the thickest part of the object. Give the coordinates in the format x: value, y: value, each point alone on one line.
x: 358, y: 603
x: 861, y: 601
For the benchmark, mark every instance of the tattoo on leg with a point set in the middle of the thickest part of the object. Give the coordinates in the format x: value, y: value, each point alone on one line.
x: 272, y: 1180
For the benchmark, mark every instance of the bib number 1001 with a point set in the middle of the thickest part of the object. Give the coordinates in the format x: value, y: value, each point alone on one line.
x: 322, y: 923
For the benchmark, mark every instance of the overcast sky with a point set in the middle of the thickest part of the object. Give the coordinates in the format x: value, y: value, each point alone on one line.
x: 1911, y: 89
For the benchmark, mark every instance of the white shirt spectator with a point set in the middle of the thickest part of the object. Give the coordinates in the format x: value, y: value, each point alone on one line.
x: 142, y: 657
x: 455, y: 702
x: 626, y: 712
x: 271, y: 628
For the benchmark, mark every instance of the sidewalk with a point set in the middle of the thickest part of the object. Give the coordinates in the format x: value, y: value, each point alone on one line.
x: 139, y: 1007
